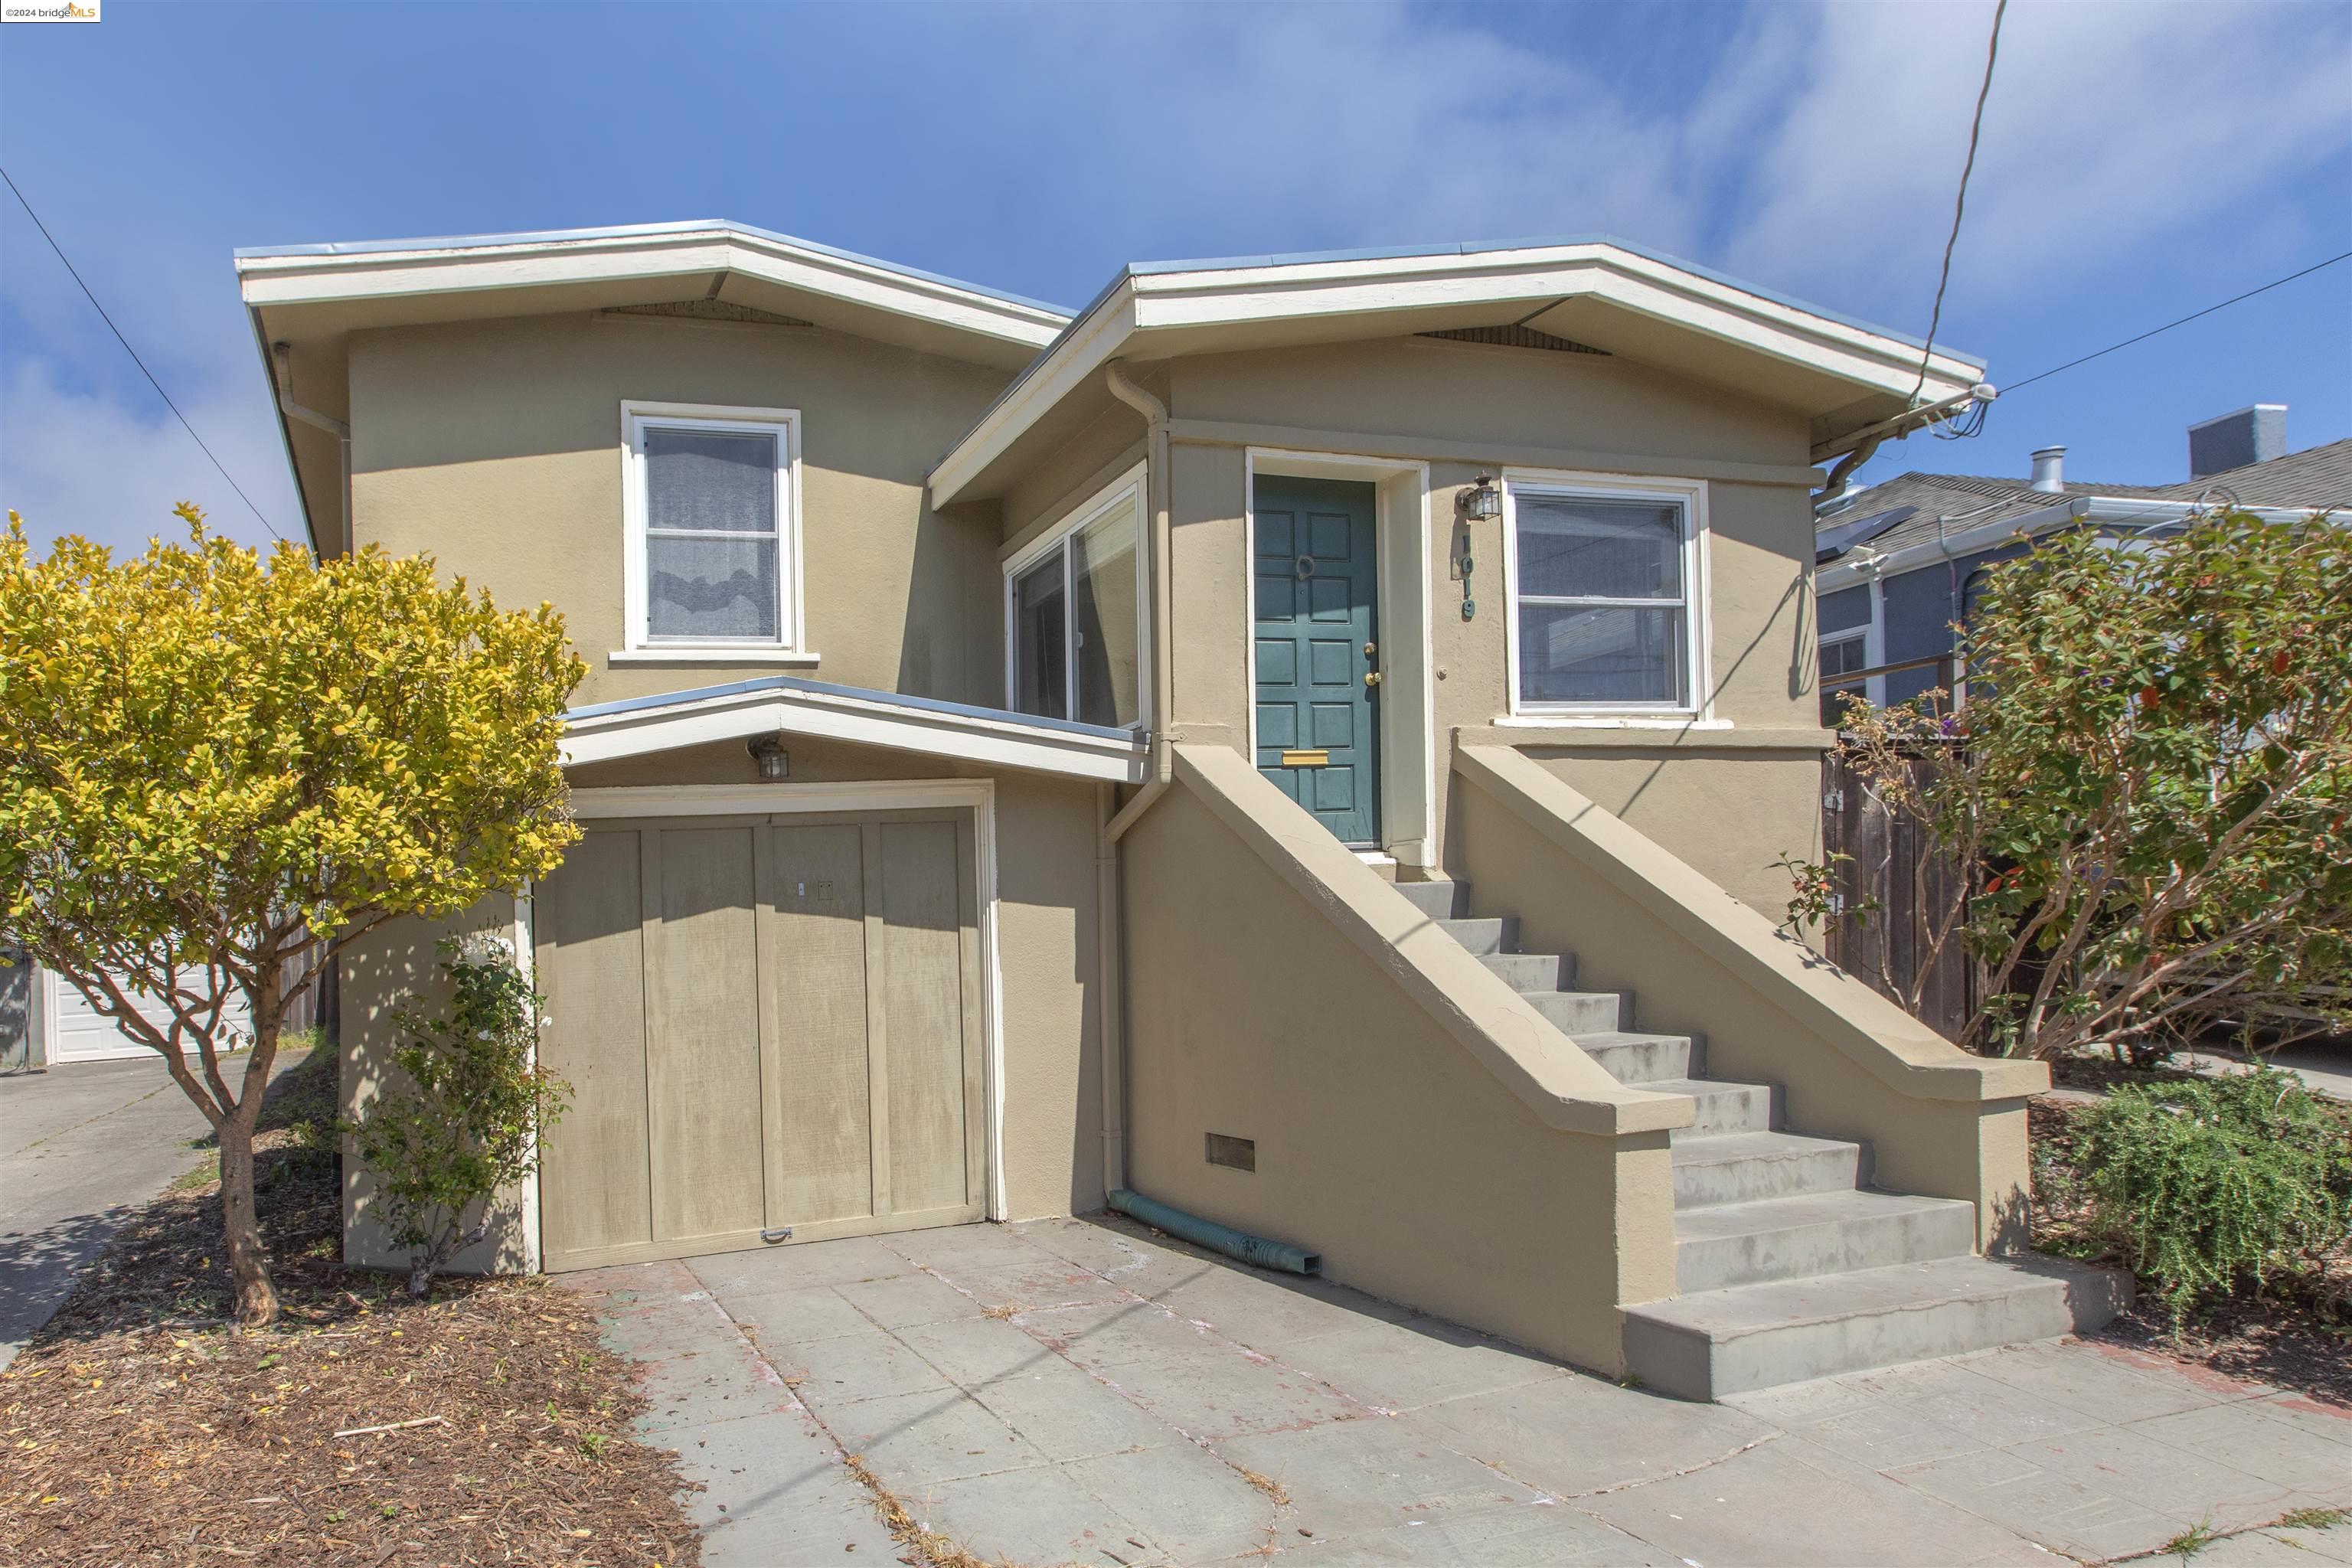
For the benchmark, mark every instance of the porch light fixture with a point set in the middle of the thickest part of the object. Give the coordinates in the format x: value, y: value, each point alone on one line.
x: 768, y: 750
x: 1483, y: 503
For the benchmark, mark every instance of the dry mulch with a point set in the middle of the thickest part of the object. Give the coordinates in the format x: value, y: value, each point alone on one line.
x: 140, y: 1427
x: 2297, y: 1334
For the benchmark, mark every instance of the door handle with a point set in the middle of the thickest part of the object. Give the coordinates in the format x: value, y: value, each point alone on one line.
x: 1371, y: 677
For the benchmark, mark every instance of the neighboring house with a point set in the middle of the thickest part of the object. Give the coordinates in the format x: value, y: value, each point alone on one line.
x: 1899, y: 562
x: 1178, y: 748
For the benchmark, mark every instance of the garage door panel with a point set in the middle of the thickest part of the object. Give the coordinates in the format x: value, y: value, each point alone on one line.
x: 702, y: 1034
x: 922, y: 1000
x: 813, y: 965
x: 591, y: 964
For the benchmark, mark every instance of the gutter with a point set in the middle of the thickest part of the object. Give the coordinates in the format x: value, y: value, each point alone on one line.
x: 286, y: 436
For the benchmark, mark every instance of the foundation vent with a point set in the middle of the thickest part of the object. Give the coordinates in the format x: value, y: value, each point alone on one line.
x: 1240, y: 1153
x: 708, y: 311
x: 1517, y: 338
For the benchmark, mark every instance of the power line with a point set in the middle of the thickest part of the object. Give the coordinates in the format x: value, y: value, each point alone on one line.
x: 1961, y: 202
x: 2183, y: 321
x: 141, y: 363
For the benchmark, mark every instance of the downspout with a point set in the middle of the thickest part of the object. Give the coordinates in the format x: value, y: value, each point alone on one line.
x: 1157, y: 565
x: 1110, y: 947
x: 282, y: 359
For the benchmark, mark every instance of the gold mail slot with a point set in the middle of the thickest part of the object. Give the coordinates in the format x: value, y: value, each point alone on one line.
x: 1306, y: 759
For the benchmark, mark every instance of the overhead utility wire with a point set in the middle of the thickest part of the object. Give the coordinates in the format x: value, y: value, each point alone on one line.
x: 1961, y: 202
x: 141, y: 363
x: 2184, y: 321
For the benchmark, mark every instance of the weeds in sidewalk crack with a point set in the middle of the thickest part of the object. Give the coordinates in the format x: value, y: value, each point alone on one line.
x: 2192, y: 1540
x: 2314, y: 1518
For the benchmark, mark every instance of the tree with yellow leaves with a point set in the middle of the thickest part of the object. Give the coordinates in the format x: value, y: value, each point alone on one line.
x: 210, y: 762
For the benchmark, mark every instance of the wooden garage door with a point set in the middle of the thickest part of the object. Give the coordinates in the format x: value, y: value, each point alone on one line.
x: 768, y: 1023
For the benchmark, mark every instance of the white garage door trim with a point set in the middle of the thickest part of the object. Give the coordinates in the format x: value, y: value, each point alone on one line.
x: 61, y: 1003
x: 979, y: 795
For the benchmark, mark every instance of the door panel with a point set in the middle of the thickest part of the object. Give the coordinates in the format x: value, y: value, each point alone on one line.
x: 1316, y: 548
x: 767, y: 1023
x: 923, y: 994
x: 590, y: 963
x: 703, y: 1036
x: 813, y: 958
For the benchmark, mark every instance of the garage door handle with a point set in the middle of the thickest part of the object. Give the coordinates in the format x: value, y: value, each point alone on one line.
x: 773, y: 1236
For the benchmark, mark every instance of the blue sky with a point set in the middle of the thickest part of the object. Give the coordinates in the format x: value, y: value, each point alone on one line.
x: 2139, y: 162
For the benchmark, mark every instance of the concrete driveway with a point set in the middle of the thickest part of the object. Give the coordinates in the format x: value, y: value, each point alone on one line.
x: 79, y: 1143
x: 1081, y: 1391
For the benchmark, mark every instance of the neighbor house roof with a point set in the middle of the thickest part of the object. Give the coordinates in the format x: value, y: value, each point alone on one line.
x: 1934, y: 516
x: 1844, y: 375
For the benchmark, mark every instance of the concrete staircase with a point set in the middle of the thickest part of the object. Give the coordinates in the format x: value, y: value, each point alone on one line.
x: 1790, y: 1265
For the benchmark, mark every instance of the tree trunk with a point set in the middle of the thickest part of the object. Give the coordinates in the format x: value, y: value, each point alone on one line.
x: 248, y: 1264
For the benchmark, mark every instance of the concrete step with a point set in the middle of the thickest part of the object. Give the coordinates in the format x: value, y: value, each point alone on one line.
x: 1723, y: 1107
x: 1744, y: 1167
x: 1491, y: 933
x: 1526, y: 972
x: 1585, y: 1012
x: 1715, y: 1343
x: 1439, y: 900
x: 1817, y: 1233
x: 1644, y: 1058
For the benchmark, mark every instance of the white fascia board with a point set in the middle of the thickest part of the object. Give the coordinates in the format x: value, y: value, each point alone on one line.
x: 1076, y: 359
x: 2115, y: 511
x: 1635, y: 282
x: 1230, y: 296
x: 293, y: 279
x: 971, y: 737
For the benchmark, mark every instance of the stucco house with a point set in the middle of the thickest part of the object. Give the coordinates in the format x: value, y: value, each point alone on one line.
x: 1303, y: 739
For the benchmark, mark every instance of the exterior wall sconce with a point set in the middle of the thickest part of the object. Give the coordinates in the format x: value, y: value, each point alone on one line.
x: 1482, y: 502
x: 768, y: 750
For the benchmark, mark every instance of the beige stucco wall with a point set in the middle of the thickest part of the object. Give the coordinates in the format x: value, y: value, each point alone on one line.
x: 496, y: 447
x: 1381, y: 1143
x: 1731, y: 800
x: 1046, y: 931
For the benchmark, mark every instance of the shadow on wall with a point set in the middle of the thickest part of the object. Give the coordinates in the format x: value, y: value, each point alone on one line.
x: 948, y: 646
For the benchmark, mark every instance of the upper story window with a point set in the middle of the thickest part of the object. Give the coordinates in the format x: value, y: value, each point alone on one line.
x: 713, y: 512
x: 1604, y: 596
x: 1074, y: 614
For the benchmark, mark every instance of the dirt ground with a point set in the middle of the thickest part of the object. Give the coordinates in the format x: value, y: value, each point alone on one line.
x: 2297, y: 1333
x: 140, y: 1427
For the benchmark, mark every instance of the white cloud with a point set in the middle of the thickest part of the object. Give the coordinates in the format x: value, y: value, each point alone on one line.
x: 87, y: 463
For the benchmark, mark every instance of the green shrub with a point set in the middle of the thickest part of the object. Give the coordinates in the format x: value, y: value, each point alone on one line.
x: 2203, y: 1185
x: 467, y: 1120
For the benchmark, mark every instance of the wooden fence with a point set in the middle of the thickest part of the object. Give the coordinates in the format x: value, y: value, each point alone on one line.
x: 1893, y: 893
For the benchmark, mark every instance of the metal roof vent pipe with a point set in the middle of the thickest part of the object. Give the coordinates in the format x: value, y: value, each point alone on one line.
x: 2049, y: 470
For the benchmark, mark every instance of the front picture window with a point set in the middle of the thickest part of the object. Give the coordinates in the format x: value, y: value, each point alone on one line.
x: 1601, y: 600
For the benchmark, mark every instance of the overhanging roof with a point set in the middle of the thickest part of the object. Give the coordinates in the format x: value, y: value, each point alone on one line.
x: 787, y: 705
x: 313, y: 297
x: 1843, y: 374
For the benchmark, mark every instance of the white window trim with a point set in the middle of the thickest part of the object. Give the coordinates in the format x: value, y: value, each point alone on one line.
x: 786, y: 424
x: 1692, y: 496
x: 1127, y: 490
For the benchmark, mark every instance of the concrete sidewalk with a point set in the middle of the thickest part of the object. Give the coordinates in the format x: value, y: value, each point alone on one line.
x: 78, y: 1142
x: 1080, y: 1391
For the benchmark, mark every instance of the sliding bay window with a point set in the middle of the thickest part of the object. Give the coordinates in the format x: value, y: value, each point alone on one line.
x: 1075, y: 615
x: 1605, y: 615
x: 711, y: 512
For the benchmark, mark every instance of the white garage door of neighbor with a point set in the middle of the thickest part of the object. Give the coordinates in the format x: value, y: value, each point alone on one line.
x: 771, y: 1028
x: 74, y: 1031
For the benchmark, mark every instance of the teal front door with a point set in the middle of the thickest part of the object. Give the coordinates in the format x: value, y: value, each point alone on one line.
x: 1318, y: 634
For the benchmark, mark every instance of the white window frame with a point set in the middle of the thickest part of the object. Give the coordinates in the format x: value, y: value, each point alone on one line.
x: 784, y: 424
x: 1698, y: 702
x: 1127, y: 490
